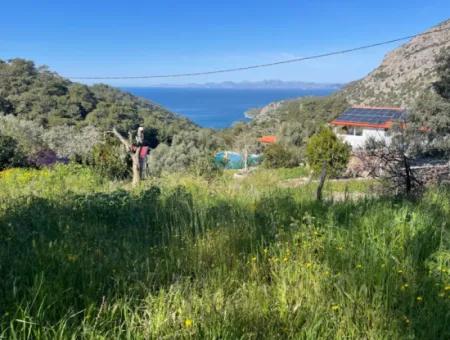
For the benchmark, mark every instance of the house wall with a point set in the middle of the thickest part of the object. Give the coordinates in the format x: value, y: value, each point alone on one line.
x: 359, y: 141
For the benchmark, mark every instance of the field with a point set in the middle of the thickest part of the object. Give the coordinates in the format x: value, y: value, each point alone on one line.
x: 181, y: 257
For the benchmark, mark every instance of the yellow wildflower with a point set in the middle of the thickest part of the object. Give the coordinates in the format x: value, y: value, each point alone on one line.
x: 254, y: 258
x: 334, y: 307
x: 447, y: 288
x: 419, y: 298
x: 188, y: 323
x: 403, y: 287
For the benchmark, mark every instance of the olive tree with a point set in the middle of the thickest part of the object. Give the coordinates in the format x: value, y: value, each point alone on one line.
x: 327, y: 155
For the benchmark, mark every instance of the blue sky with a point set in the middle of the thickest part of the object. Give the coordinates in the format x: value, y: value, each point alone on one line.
x: 109, y: 38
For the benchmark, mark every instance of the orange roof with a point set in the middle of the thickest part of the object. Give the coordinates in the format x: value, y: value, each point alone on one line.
x: 268, y: 139
x: 386, y: 125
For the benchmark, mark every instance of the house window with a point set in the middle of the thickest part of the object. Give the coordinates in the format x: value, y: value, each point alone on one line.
x: 354, y: 131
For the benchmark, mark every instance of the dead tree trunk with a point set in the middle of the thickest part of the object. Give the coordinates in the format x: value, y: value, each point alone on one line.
x: 134, y: 154
x: 408, y: 180
x: 323, y: 176
x: 246, y: 159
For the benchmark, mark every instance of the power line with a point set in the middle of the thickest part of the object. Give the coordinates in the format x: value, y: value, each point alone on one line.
x: 236, y: 69
x: 288, y: 61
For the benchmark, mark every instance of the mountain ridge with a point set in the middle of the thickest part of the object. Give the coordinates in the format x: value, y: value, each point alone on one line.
x: 264, y: 84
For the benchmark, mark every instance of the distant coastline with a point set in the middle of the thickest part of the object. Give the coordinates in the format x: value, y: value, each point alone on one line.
x: 265, y: 84
x: 220, y: 107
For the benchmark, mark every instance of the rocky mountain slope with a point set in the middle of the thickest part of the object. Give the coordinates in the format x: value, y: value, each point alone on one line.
x: 403, y: 73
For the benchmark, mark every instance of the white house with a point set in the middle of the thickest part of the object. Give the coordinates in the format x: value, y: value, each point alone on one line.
x: 359, y: 123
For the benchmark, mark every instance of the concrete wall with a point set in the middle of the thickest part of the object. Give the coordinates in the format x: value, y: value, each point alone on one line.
x: 359, y: 141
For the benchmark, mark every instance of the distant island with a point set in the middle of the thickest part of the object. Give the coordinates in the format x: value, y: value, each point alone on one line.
x: 264, y: 84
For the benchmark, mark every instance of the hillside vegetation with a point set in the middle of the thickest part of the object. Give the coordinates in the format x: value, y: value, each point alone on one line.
x: 37, y: 94
x: 184, y: 258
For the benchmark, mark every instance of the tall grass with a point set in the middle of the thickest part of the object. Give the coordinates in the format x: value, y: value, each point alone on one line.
x: 186, y: 258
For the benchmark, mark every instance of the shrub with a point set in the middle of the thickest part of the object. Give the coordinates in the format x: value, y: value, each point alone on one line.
x: 10, y: 153
x: 326, y: 147
x: 44, y: 157
x: 278, y: 156
x: 109, y: 160
x: 206, y: 167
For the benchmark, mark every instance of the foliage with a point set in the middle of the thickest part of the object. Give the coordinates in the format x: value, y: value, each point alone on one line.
x: 38, y: 95
x: 392, y: 162
x: 206, y: 167
x: 192, y: 259
x: 277, y: 156
x: 71, y: 142
x: 10, y: 153
x: 186, y: 149
x: 326, y: 147
x: 110, y: 160
x: 442, y: 85
x: 430, y: 113
x: 43, y: 157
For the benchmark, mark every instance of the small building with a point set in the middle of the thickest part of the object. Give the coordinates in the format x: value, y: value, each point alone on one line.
x: 267, y: 139
x: 359, y: 123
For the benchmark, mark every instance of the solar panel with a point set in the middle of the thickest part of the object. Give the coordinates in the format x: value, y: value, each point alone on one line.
x: 370, y: 115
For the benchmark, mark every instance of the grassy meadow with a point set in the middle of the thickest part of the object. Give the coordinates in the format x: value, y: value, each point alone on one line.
x: 182, y: 257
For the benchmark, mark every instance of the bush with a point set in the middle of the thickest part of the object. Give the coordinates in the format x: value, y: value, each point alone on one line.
x: 206, y: 167
x: 326, y: 147
x: 44, y: 157
x: 10, y: 153
x: 110, y: 161
x: 278, y: 156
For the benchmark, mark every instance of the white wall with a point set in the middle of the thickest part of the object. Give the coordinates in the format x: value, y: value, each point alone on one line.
x: 359, y: 141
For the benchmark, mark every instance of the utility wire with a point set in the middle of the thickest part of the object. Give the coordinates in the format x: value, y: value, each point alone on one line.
x: 287, y: 61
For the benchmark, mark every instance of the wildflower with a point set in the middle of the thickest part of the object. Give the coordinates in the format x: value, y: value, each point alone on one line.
x: 403, y: 287
x: 400, y: 271
x: 359, y: 266
x: 254, y: 258
x: 188, y: 323
x: 419, y: 298
x: 447, y: 288
x: 406, y: 320
x: 285, y: 259
x: 334, y: 308
x: 265, y: 251
x: 308, y: 265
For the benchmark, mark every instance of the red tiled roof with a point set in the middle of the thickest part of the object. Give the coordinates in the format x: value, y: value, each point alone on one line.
x: 268, y: 139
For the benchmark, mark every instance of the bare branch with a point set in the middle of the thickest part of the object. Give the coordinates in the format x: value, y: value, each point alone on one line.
x: 122, y: 139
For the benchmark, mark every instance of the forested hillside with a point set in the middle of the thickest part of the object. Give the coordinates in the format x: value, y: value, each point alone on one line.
x: 35, y: 93
x: 44, y: 116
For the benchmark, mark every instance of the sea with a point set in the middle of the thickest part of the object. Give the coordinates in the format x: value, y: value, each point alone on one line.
x: 217, y: 107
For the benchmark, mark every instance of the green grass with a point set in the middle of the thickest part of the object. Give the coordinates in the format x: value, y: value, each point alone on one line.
x: 181, y: 257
